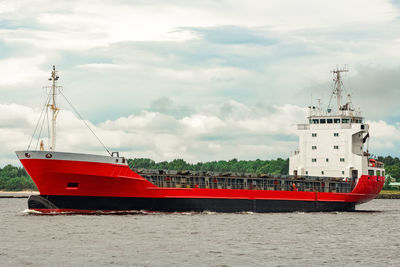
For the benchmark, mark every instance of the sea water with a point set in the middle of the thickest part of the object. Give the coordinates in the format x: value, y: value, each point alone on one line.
x: 369, y: 236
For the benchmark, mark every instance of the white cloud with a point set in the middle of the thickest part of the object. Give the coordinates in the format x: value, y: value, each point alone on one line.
x: 236, y: 96
x: 384, y: 137
x: 16, y: 116
x: 283, y: 119
x: 197, y: 137
x: 229, y: 130
x: 83, y: 25
x: 382, y: 130
x: 206, y: 74
x: 201, y: 124
x: 100, y: 66
x: 22, y: 70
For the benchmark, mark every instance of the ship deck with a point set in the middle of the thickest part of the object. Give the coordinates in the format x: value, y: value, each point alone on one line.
x: 245, y: 181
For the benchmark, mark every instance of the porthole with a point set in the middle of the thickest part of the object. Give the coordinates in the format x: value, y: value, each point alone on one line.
x: 49, y: 155
x: 116, y: 161
x: 27, y: 155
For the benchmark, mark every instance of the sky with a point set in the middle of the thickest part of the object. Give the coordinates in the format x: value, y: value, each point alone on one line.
x: 198, y: 80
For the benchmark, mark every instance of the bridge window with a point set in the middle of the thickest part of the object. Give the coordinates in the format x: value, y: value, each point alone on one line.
x: 314, y: 134
x: 378, y: 173
x: 315, y: 121
x: 341, y: 159
x: 336, y: 120
x: 345, y: 120
x: 335, y: 134
x: 370, y: 172
x: 314, y: 147
x: 335, y: 147
x: 322, y: 121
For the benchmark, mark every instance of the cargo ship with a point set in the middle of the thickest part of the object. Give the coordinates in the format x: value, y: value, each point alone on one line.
x: 330, y: 171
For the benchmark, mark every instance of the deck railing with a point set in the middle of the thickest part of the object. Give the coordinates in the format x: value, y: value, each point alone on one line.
x: 277, y: 183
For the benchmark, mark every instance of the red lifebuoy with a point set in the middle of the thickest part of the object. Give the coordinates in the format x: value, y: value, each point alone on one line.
x: 372, y: 161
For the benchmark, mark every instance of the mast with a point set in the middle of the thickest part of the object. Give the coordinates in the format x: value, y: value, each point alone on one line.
x: 338, y: 87
x: 52, y: 105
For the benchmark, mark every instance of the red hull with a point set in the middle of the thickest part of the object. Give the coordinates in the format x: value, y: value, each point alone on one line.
x: 98, y: 179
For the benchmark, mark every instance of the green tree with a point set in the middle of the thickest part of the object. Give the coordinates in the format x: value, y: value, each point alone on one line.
x: 15, y: 179
x: 386, y: 186
x: 19, y: 184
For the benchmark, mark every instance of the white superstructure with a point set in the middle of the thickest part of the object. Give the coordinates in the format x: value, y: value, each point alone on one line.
x: 334, y: 143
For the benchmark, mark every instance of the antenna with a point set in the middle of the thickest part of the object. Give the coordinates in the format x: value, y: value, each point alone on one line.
x: 337, y: 91
x: 52, y: 105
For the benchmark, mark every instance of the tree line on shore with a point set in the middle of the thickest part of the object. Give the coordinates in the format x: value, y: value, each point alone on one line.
x: 278, y: 166
x: 392, y: 168
x: 16, y: 179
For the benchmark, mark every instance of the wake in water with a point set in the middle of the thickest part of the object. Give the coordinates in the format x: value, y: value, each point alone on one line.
x: 115, y: 212
x: 125, y: 212
x: 94, y: 212
x: 29, y: 212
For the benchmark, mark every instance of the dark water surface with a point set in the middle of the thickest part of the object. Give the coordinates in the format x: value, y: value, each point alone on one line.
x: 370, y: 237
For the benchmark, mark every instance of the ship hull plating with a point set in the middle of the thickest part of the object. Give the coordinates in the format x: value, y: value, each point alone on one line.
x: 92, y: 204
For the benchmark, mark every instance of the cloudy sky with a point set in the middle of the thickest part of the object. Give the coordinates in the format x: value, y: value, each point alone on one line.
x: 198, y: 80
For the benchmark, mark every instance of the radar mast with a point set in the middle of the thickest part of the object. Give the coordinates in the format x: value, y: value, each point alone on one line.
x: 338, y: 87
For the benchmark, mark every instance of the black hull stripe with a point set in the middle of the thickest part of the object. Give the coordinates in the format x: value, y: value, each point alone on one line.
x: 183, y: 204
